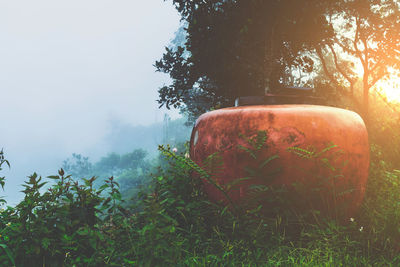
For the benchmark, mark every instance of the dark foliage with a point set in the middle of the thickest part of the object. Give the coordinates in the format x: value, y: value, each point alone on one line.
x: 237, y: 48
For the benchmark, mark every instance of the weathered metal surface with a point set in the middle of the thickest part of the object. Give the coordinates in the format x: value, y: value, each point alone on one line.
x: 309, y: 127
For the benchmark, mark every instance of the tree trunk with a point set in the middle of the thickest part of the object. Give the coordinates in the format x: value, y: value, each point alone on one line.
x: 365, y: 95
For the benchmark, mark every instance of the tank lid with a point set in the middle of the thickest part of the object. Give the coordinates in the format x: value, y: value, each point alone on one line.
x: 282, y: 95
x: 270, y: 99
x: 301, y: 91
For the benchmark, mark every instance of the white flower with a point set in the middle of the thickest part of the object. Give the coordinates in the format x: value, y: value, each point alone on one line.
x: 361, y: 228
x: 187, y: 155
x: 8, y: 224
x: 352, y: 219
x: 174, y: 150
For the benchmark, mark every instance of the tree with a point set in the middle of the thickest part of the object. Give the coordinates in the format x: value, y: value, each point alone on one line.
x: 109, y: 164
x: 239, y: 47
x: 134, y: 160
x: 365, y: 32
x: 78, y: 166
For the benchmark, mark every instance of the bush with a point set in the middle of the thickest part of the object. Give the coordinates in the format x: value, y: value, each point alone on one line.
x: 63, y: 225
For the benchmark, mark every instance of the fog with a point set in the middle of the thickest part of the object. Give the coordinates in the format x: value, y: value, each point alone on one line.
x: 69, y: 70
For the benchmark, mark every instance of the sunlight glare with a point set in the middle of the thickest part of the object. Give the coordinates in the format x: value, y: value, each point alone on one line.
x: 390, y: 88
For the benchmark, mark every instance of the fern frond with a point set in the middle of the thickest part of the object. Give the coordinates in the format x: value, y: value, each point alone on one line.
x: 192, y: 165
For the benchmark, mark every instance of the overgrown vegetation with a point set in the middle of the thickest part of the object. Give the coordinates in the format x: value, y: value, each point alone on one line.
x: 172, y: 222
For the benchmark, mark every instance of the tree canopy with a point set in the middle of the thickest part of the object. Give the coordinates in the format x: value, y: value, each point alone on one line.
x: 247, y: 47
x: 366, y: 33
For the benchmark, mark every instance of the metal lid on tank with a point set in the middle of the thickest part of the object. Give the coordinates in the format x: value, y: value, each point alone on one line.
x: 286, y: 95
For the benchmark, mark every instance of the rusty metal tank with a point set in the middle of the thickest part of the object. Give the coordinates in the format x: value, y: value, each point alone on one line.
x: 314, y: 145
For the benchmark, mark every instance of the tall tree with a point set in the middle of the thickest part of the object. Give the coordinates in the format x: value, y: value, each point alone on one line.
x: 239, y: 47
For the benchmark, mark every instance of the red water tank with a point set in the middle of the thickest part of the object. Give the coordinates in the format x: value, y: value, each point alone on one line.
x: 324, y: 148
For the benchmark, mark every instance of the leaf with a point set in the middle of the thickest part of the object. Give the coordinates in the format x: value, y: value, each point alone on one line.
x: 82, y: 231
x: 260, y: 139
x: 42, y: 184
x: 223, y: 211
x: 45, y: 243
x: 2, y: 183
x: 301, y: 152
x: 325, y: 150
x: 252, y: 172
x: 252, y: 154
x: 104, y: 186
x: 235, y: 182
x: 265, y: 162
x: 259, y: 188
x: 8, y: 252
x: 117, y: 196
x: 326, y: 162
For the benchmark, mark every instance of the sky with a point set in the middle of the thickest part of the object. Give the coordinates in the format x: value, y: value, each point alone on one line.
x: 70, y: 68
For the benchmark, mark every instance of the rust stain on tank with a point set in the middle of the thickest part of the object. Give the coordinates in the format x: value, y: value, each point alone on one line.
x: 271, y: 117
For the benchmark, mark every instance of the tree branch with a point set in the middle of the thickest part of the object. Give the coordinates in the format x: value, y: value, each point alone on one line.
x: 356, y: 39
x: 325, y: 67
x: 377, y: 77
x: 341, y: 71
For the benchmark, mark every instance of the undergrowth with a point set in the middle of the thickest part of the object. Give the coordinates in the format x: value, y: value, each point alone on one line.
x: 172, y: 222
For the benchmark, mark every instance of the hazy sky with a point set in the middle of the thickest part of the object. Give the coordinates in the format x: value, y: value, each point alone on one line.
x: 69, y: 67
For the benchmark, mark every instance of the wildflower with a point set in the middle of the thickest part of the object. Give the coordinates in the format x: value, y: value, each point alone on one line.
x: 187, y: 155
x: 67, y: 254
x: 8, y: 224
x: 352, y: 219
x: 361, y: 228
x: 174, y: 150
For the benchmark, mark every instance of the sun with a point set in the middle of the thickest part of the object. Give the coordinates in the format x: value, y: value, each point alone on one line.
x: 390, y: 88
